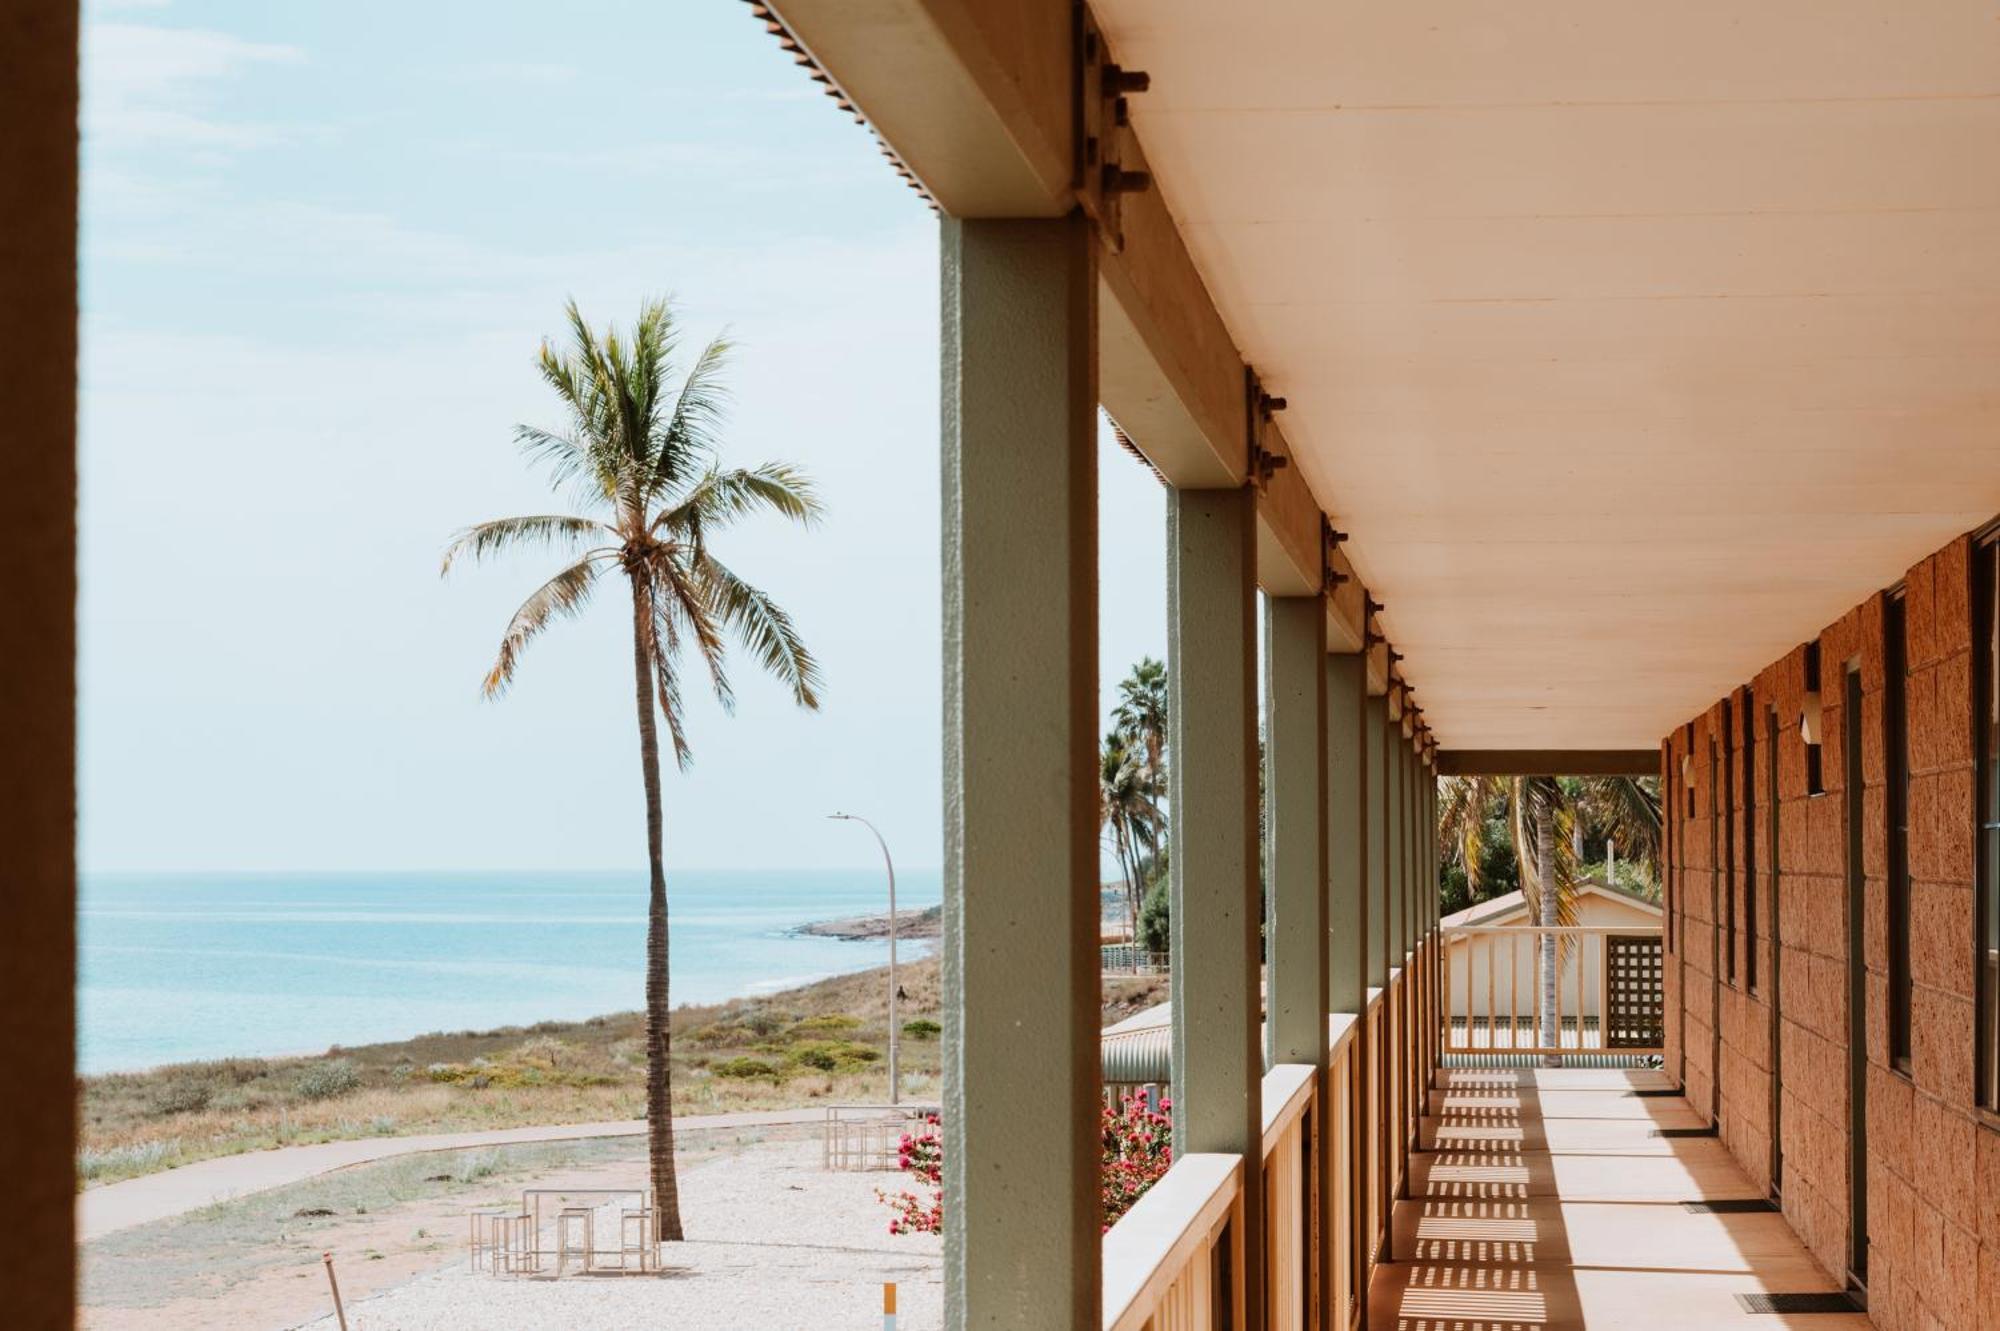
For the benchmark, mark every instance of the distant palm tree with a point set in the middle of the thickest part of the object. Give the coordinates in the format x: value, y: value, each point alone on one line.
x: 644, y: 457
x: 1129, y: 800
x: 1142, y: 712
x: 1546, y: 817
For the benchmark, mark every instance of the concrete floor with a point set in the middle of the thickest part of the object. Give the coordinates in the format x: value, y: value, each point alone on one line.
x: 1542, y: 1200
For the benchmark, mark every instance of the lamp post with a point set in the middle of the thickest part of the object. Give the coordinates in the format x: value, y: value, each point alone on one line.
x: 895, y: 1082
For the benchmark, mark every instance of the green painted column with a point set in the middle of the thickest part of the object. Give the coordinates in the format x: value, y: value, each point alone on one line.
x: 1020, y: 960
x: 1375, y: 736
x: 1397, y: 796
x: 1295, y: 818
x: 1218, y: 1056
x: 1346, y: 831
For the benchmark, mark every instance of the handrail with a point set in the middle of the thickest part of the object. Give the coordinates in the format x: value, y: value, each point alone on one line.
x: 1287, y: 1090
x: 1146, y: 1252
x: 1635, y: 930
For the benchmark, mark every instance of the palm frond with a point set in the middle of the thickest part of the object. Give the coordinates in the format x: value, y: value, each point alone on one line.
x: 563, y: 595
x: 547, y: 529
x: 721, y: 496
x: 689, y: 440
x: 683, y: 607
x: 763, y: 627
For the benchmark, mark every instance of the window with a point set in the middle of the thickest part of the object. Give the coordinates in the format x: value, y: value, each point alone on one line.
x: 1750, y: 838
x: 1670, y: 867
x: 1896, y: 746
x: 1986, y: 738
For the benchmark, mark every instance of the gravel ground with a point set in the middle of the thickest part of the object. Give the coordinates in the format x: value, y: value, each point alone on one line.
x: 781, y: 1244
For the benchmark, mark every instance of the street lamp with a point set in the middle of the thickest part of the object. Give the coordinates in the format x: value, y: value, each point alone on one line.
x: 895, y: 1082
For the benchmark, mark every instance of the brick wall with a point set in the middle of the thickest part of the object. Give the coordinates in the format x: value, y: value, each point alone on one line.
x: 1933, y: 1164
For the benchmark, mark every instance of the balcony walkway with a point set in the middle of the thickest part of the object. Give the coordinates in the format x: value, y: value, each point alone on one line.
x: 1543, y: 1200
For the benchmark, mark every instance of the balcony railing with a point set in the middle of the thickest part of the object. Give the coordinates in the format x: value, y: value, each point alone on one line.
x: 1607, y: 1000
x: 1175, y: 1261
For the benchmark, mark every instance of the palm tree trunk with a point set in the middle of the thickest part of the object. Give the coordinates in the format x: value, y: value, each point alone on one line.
x: 659, y: 1015
x: 1545, y: 853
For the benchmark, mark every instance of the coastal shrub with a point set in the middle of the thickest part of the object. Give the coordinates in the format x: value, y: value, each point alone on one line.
x: 127, y: 1161
x: 714, y: 1036
x: 832, y: 1055
x: 746, y: 1069
x: 326, y: 1079
x: 179, y: 1095
x: 923, y: 1028
x: 829, y: 1023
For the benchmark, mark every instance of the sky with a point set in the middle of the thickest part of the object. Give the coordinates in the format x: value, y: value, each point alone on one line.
x: 321, y: 244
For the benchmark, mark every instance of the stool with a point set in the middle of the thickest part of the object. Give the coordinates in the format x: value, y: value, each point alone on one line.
x: 636, y: 1221
x: 569, y: 1221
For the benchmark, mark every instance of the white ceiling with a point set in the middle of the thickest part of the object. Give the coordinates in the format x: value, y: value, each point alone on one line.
x: 1632, y: 342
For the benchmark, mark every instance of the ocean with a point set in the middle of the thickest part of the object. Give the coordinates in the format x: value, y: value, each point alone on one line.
x: 174, y: 967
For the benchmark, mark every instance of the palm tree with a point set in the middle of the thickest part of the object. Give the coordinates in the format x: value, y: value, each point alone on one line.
x: 642, y: 456
x: 1141, y: 713
x: 1547, y: 818
x: 1129, y: 801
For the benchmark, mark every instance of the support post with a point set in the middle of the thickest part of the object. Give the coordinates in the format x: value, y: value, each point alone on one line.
x: 1347, y: 936
x: 38, y: 290
x: 1295, y: 767
x: 1021, y: 1060
x: 1296, y: 951
x: 1218, y: 1059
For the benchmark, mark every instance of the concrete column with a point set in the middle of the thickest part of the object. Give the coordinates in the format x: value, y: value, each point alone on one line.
x: 1295, y: 815
x: 1020, y: 961
x: 1347, y: 929
x: 1346, y: 831
x: 1375, y: 735
x: 1295, y: 819
x: 1397, y: 795
x: 1212, y: 791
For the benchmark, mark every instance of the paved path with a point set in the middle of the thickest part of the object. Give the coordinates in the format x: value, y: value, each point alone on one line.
x: 115, y: 1206
x: 1545, y: 1198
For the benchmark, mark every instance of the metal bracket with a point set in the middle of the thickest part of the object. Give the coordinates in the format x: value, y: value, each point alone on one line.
x: 1103, y: 129
x: 1257, y: 410
x: 1329, y: 541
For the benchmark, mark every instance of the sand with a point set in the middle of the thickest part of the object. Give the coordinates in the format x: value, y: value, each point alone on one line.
x: 779, y: 1243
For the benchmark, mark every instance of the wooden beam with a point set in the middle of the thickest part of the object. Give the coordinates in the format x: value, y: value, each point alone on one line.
x: 1548, y: 762
x: 973, y: 98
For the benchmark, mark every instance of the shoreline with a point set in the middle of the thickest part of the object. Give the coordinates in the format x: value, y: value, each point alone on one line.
x: 916, y: 924
x: 912, y: 929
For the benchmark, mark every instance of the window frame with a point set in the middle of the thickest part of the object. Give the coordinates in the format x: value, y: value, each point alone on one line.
x: 1896, y: 888
x: 1984, y: 587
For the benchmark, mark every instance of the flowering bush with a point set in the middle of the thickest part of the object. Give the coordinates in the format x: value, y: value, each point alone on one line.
x: 1138, y: 1146
x: 920, y: 1154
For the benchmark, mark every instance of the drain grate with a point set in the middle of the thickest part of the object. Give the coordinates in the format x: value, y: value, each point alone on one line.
x: 1731, y: 1206
x: 1654, y: 1095
x: 1685, y: 1132
x: 1799, y: 1303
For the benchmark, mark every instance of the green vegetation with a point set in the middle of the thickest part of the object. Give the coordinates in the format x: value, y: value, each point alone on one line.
x: 768, y: 1052
x: 1132, y: 781
x: 645, y: 458
x: 923, y: 1028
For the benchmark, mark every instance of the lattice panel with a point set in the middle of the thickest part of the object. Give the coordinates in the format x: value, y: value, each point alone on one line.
x: 1635, y: 1007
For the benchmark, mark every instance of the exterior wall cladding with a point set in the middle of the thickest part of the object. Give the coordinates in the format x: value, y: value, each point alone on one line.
x: 1933, y: 1165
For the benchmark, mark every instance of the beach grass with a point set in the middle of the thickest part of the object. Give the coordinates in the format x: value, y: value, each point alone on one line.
x: 819, y: 1043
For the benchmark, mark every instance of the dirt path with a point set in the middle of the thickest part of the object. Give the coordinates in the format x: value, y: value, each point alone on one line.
x: 115, y: 1206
